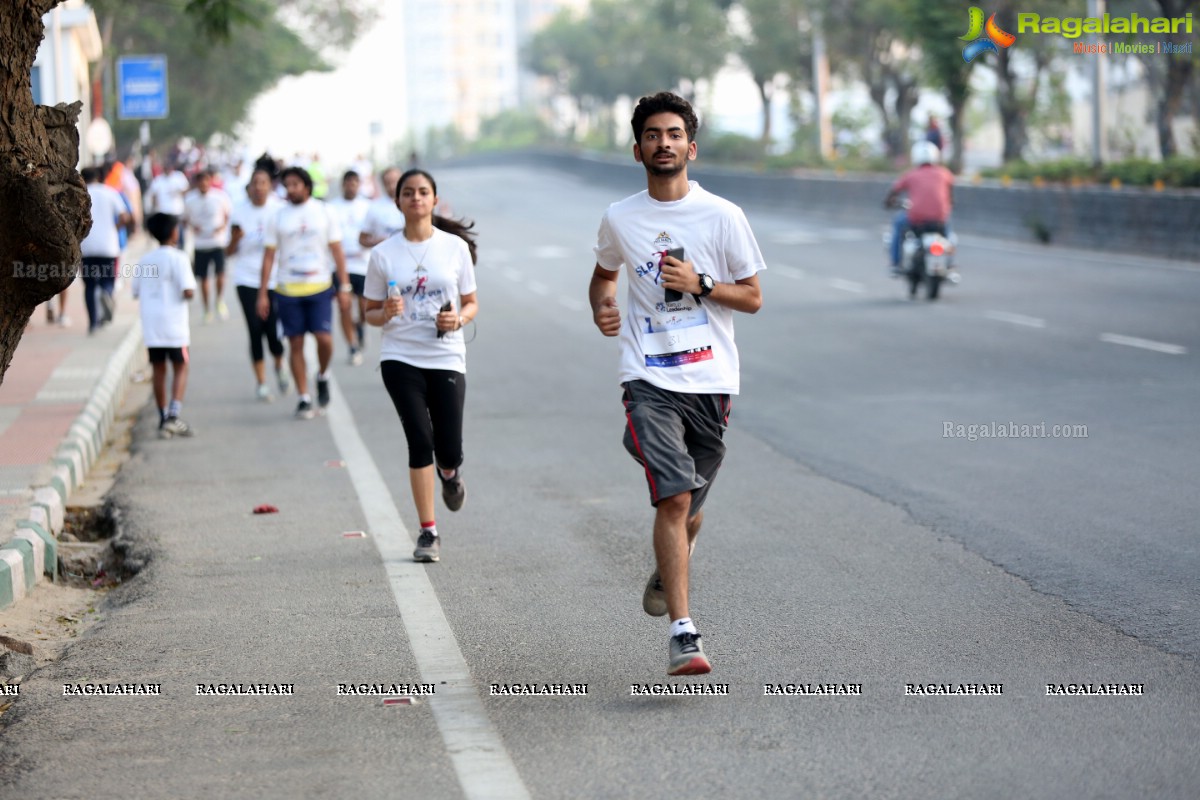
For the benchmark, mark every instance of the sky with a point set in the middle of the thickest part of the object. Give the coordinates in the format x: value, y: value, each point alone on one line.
x: 330, y: 113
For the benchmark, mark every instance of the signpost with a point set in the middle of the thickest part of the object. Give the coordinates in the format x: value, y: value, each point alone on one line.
x: 142, y: 87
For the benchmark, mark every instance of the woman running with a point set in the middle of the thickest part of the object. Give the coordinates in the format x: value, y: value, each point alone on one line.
x: 420, y: 289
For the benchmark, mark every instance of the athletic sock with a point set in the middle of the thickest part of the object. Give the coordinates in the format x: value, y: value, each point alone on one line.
x: 321, y: 376
x: 306, y: 398
x: 162, y: 416
x: 453, y: 473
x: 683, y: 626
x: 174, y: 409
x: 430, y: 526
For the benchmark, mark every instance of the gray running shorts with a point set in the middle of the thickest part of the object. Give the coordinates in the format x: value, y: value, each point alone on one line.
x: 677, y: 438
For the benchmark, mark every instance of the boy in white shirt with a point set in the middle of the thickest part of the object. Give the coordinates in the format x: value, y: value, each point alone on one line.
x: 163, y: 288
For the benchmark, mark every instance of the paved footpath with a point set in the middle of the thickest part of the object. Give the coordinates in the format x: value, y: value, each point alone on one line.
x: 56, y: 403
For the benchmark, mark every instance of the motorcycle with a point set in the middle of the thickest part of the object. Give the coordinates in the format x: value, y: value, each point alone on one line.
x: 926, y: 256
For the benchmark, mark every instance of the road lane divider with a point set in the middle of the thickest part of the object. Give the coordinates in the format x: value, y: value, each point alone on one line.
x: 481, y: 762
x: 1144, y: 344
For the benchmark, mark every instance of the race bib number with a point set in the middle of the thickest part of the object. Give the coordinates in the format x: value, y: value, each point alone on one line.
x: 676, y: 338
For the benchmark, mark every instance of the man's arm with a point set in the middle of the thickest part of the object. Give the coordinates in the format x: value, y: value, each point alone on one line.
x: 745, y: 295
x: 602, y: 294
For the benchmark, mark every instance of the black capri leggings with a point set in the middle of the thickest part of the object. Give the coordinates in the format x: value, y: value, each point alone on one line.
x: 259, y: 327
x: 430, y: 405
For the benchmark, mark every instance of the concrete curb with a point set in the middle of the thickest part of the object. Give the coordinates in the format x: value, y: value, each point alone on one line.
x: 31, y: 550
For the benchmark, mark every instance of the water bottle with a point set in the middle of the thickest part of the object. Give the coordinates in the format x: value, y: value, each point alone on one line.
x: 393, y: 289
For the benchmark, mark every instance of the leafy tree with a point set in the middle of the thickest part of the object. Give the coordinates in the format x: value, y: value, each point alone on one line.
x: 772, y: 46
x: 936, y: 30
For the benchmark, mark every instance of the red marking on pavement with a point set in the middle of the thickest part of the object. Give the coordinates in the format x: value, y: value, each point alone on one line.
x: 337, y: 462
x: 400, y: 701
x: 266, y: 508
x: 354, y: 535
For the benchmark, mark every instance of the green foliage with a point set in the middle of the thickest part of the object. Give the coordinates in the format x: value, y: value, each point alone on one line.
x: 211, y: 83
x: 510, y: 130
x: 731, y: 148
x: 1174, y: 172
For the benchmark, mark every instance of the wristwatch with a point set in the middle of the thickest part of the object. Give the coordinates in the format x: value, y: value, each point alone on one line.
x: 706, y: 285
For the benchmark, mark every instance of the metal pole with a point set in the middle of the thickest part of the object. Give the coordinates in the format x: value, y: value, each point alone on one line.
x: 1096, y: 9
x: 820, y: 67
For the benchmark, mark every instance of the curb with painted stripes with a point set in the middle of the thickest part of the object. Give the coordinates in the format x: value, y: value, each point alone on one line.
x: 31, y: 550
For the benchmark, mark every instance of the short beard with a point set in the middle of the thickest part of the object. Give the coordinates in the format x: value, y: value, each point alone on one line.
x: 664, y: 172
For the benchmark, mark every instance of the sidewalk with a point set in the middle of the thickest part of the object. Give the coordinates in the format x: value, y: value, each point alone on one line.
x: 56, y: 406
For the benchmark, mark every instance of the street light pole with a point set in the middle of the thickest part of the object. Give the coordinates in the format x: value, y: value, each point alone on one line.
x: 1096, y: 10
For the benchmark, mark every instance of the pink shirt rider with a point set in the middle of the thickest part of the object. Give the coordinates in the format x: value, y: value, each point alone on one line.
x: 928, y: 189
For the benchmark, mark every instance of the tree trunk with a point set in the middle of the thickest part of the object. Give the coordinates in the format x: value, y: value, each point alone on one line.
x: 1179, y: 72
x: 764, y: 94
x: 957, y: 108
x: 43, y: 203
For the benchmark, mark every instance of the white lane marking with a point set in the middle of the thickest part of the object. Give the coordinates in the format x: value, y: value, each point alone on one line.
x: 847, y: 286
x: 572, y: 304
x: 551, y: 251
x: 498, y: 256
x: 483, y: 766
x: 846, y: 234
x: 537, y: 287
x: 789, y: 272
x: 795, y: 237
x: 511, y: 274
x: 1016, y: 319
x: 1145, y: 344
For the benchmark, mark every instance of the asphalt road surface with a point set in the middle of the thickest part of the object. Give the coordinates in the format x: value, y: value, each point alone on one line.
x: 862, y: 533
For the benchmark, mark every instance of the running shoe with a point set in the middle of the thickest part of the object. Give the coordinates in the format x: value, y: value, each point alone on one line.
x: 654, y: 598
x: 208, y: 317
x: 222, y: 310
x: 64, y: 321
x: 322, y: 393
x: 264, y: 393
x: 687, y: 656
x: 356, y: 357
x: 174, y: 426
x: 108, y: 305
x: 428, y: 547
x: 454, y: 490
x: 304, y: 410
x: 281, y: 379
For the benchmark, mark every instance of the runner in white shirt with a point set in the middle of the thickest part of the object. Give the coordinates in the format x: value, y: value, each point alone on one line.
x: 163, y: 287
x: 384, y: 218
x: 251, y: 218
x: 420, y: 289
x: 351, y: 211
x: 101, y: 248
x: 305, y: 234
x: 679, y: 364
x: 166, y: 193
x: 207, y: 211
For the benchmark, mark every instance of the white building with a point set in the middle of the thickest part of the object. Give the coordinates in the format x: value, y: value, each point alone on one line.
x: 60, y: 71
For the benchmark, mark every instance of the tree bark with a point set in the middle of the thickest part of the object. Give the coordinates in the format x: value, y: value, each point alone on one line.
x: 44, y: 206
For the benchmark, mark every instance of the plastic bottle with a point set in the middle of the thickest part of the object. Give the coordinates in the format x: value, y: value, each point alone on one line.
x: 393, y: 289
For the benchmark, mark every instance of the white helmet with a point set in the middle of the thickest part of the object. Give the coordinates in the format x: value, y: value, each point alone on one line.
x: 925, y: 152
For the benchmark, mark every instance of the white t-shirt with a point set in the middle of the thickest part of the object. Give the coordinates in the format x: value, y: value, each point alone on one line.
x: 248, y: 260
x: 682, y: 346
x: 383, y: 218
x: 351, y: 215
x: 301, y: 235
x: 207, y: 216
x: 166, y: 193
x: 429, y: 273
x: 102, y: 240
x: 160, y: 296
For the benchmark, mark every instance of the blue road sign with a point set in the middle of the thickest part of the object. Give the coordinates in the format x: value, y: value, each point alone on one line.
x: 142, y: 87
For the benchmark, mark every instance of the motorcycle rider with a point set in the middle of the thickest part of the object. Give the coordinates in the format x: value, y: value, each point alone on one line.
x: 929, y: 186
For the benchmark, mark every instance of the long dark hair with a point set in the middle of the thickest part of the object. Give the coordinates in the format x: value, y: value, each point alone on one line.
x: 459, y: 227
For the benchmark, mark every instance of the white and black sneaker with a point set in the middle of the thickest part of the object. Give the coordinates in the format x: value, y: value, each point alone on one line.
x: 304, y: 410
x: 686, y: 656
x: 174, y: 426
x: 428, y: 547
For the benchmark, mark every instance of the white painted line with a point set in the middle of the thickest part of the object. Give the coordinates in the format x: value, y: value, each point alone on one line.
x: 789, y: 272
x: 847, y: 286
x: 511, y: 274
x: 1145, y: 344
x: 795, y: 237
x: 537, y: 287
x: 497, y: 256
x: 1016, y: 319
x: 572, y: 304
x: 483, y: 766
x: 551, y: 251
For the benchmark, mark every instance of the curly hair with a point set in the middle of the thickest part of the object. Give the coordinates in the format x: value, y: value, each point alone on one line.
x: 664, y: 102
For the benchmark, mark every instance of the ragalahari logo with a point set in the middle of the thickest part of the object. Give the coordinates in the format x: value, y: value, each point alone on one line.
x: 987, y: 43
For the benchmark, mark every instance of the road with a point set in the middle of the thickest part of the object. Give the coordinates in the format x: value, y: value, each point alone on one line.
x: 849, y: 540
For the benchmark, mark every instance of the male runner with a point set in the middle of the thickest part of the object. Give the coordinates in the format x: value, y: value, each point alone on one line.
x: 679, y: 364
